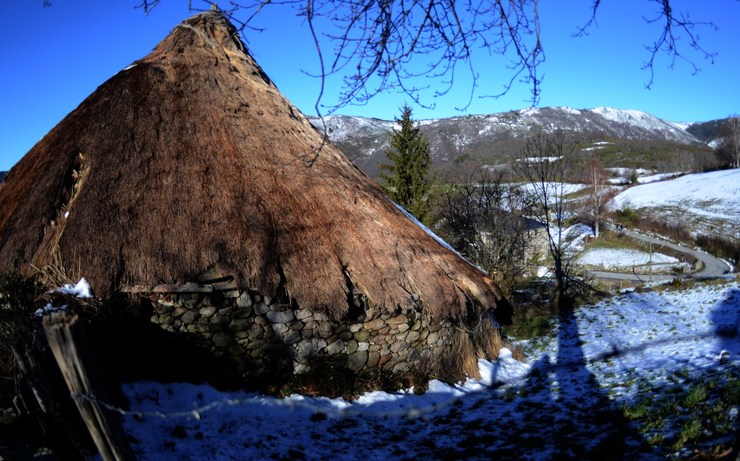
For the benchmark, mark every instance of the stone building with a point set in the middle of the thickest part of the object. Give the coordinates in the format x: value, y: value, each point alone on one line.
x: 187, y: 181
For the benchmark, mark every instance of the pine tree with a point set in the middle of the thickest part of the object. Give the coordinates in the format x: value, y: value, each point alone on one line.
x: 406, y: 177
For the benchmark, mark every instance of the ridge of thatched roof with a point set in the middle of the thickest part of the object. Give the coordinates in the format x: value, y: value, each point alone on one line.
x: 191, y: 161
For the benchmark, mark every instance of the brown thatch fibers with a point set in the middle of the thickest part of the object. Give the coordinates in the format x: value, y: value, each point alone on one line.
x: 192, y: 161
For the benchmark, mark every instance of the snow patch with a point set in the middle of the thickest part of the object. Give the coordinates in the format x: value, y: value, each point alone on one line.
x: 80, y: 290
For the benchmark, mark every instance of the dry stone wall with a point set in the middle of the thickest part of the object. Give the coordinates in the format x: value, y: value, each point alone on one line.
x: 261, y: 333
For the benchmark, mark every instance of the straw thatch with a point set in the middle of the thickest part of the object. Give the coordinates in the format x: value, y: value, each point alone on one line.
x: 192, y: 162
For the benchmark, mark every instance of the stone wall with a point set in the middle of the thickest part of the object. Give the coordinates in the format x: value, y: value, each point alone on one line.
x: 263, y: 335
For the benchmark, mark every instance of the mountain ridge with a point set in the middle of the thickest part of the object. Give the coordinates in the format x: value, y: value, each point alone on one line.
x: 487, y: 137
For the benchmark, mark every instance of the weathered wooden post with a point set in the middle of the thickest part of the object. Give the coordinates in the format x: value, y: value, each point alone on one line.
x: 61, y: 332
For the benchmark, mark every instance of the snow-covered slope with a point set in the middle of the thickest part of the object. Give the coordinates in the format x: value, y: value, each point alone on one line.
x: 710, y: 202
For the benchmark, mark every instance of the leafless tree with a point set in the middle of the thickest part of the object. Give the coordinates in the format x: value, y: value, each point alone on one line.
x: 546, y: 162
x: 595, y: 176
x: 483, y: 218
x: 379, y: 45
x: 729, y: 148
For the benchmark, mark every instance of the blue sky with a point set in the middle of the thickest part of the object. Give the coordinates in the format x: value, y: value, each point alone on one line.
x: 52, y: 58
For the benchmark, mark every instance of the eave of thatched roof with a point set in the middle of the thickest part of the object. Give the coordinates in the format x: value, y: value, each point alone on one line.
x: 192, y: 161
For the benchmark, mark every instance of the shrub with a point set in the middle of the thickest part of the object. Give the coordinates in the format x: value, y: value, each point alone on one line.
x: 720, y: 247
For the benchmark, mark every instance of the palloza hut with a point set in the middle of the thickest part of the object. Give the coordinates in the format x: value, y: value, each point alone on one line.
x: 188, y: 180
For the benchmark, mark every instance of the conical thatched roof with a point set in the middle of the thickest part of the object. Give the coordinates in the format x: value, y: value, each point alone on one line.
x: 191, y: 162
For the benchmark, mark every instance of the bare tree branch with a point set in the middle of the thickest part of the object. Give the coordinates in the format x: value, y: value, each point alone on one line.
x: 397, y: 45
x: 675, y: 28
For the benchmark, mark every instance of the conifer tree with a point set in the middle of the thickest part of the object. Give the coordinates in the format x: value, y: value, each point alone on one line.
x: 406, y: 176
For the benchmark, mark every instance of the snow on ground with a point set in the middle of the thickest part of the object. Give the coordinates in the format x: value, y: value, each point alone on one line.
x: 710, y: 201
x: 611, y: 258
x: 565, y: 402
x: 574, y: 238
x: 657, y: 177
x: 554, y: 189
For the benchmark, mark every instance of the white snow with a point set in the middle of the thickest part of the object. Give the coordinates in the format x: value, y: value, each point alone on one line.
x: 610, y: 258
x: 711, y: 198
x: 436, y: 237
x: 608, y: 355
x: 539, y: 159
x: 553, y: 189
x: 80, y: 290
x: 574, y: 238
x: 657, y: 177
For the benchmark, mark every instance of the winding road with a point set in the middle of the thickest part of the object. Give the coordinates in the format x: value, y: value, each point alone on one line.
x: 711, y: 267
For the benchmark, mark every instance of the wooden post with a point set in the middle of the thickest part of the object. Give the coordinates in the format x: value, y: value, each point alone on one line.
x: 61, y: 332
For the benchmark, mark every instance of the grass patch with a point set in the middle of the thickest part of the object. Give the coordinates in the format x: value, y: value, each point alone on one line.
x: 694, y: 415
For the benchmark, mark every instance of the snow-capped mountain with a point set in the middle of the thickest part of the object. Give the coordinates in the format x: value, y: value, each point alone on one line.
x: 365, y: 139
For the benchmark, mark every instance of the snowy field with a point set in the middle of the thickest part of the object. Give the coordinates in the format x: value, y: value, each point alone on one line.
x: 578, y: 396
x: 709, y: 202
x: 621, y: 259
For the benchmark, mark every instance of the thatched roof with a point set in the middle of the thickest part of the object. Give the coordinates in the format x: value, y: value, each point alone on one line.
x: 191, y: 162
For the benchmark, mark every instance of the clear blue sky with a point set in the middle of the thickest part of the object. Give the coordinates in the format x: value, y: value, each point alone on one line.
x: 52, y: 58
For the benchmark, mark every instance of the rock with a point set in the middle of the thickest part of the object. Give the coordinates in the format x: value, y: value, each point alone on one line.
x: 433, y: 338
x: 256, y: 331
x: 303, y: 314
x: 223, y: 339
x: 324, y: 330
x: 280, y: 316
x: 398, y: 320
x: 240, y: 324
x: 244, y: 301
x: 320, y: 317
x: 281, y: 330
x: 292, y: 337
x: 346, y: 336
x: 412, y: 336
x: 232, y: 294
x: 363, y: 335
x: 373, y: 359
x: 375, y: 324
x: 357, y: 361
x: 398, y: 346
x: 220, y: 319
x: 351, y: 346
x: 355, y: 327
x: 400, y: 367
x: 261, y: 308
x: 305, y: 350
x: 335, y: 347
x: 188, y: 317
x: 207, y: 311
x: 363, y: 346
x: 403, y: 327
x: 165, y: 302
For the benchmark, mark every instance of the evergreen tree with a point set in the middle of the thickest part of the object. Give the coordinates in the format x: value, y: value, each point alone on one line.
x: 406, y: 176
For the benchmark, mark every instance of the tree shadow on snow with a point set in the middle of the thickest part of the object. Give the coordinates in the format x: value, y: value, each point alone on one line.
x: 726, y: 320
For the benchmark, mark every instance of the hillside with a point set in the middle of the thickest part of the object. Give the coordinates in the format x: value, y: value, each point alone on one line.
x: 706, y: 203
x: 706, y: 131
x: 460, y: 144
